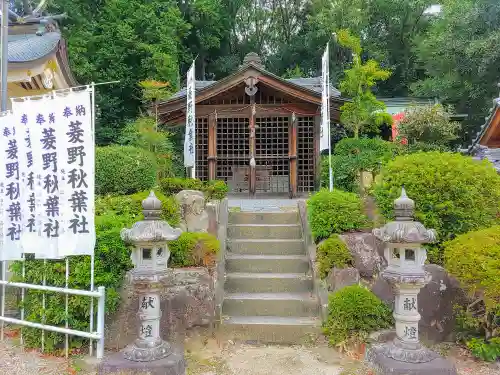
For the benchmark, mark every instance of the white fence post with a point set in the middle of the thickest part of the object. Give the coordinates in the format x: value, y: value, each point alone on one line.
x: 101, y: 310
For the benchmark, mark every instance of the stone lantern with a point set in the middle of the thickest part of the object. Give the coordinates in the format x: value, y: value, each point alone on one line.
x: 406, y: 256
x: 150, y: 254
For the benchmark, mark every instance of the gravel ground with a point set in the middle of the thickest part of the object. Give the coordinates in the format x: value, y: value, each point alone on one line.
x: 211, y: 357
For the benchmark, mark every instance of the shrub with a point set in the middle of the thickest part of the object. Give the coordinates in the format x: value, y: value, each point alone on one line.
x: 486, y: 350
x: 333, y: 252
x: 124, y: 170
x: 112, y: 261
x: 354, y: 311
x: 354, y: 155
x: 453, y: 194
x: 334, y: 212
x: 215, y: 189
x: 474, y: 259
x: 131, y: 206
x: 193, y: 249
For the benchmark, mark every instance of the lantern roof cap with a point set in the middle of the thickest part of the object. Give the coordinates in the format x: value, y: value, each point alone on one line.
x: 152, y: 229
x: 404, y: 229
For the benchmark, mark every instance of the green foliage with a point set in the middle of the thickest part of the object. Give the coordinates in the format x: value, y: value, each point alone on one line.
x: 144, y: 133
x: 429, y: 124
x: 193, y: 250
x: 334, y: 212
x: 354, y: 155
x: 453, y: 194
x: 485, y: 350
x: 146, y: 46
x: 459, y: 54
x: 355, y: 311
x: 364, y: 112
x: 215, y: 189
x: 129, y: 207
x: 474, y: 259
x: 124, y: 170
x: 112, y: 261
x: 332, y: 252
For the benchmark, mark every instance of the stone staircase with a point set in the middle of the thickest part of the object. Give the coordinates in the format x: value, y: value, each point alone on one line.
x: 268, y: 288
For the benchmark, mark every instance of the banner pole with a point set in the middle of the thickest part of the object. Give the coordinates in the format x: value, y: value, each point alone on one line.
x: 330, y: 170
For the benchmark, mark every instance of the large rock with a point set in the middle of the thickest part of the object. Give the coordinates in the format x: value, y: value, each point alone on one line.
x: 187, y: 300
x: 367, y: 252
x: 339, y: 278
x: 435, y: 302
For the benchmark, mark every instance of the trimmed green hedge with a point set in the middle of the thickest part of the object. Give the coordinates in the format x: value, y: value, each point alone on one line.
x: 334, y: 212
x: 353, y: 313
x: 474, y: 259
x: 193, y: 250
x: 333, y: 252
x: 124, y: 170
x: 353, y: 155
x: 453, y: 194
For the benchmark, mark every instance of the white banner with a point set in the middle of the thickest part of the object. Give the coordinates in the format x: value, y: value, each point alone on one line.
x: 325, y: 101
x: 190, y: 137
x: 57, y: 192
x: 10, y: 188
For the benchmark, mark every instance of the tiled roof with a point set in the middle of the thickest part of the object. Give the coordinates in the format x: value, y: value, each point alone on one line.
x: 491, y: 154
x: 313, y: 83
x: 25, y: 48
x: 484, y: 127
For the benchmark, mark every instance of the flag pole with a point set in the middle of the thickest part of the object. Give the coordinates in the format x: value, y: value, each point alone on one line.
x: 5, y: 53
x: 330, y: 170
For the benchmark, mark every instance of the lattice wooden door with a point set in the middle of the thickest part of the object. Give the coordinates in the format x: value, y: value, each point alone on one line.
x: 233, y: 152
x: 271, y: 154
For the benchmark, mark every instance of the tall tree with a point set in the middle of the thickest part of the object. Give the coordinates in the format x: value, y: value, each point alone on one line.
x: 124, y: 40
x: 461, y: 55
x: 364, y: 112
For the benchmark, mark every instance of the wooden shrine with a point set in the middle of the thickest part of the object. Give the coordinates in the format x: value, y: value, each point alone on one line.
x: 258, y: 132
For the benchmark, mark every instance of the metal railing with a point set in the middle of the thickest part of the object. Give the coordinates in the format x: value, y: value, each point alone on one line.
x: 97, y: 335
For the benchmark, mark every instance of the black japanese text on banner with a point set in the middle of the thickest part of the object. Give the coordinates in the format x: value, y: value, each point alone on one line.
x: 190, y: 136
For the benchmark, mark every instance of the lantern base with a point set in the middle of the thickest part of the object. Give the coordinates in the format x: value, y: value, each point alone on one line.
x: 173, y: 364
x: 147, y: 351
x: 381, y: 357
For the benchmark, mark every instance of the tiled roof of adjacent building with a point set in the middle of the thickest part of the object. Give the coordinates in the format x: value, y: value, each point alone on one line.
x: 484, y: 127
x: 31, y: 47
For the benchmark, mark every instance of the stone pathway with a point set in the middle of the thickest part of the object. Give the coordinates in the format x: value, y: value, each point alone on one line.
x: 207, y: 356
x: 261, y: 205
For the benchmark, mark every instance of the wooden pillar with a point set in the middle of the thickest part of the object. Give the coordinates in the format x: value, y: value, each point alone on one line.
x: 252, y: 180
x: 317, y: 152
x: 212, y: 146
x: 292, y: 155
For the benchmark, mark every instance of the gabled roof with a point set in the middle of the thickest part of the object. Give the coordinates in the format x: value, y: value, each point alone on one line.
x: 310, y: 83
x: 307, y: 89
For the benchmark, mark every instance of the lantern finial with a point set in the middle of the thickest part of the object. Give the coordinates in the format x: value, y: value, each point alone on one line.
x: 151, y: 207
x: 404, y: 207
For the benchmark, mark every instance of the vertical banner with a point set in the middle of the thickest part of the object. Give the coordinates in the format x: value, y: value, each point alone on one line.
x: 57, y: 180
x: 77, y: 179
x: 10, y: 188
x: 325, y: 101
x: 190, y: 136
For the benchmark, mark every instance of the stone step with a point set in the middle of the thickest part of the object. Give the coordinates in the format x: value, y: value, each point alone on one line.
x: 239, y: 282
x: 266, y: 247
x: 267, y: 263
x: 265, y: 231
x: 272, y: 329
x: 270, y: 304
x: 291, y: 217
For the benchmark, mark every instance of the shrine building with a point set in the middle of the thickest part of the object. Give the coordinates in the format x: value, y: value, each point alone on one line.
x: 255, y: 113
x: 37, y: 56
